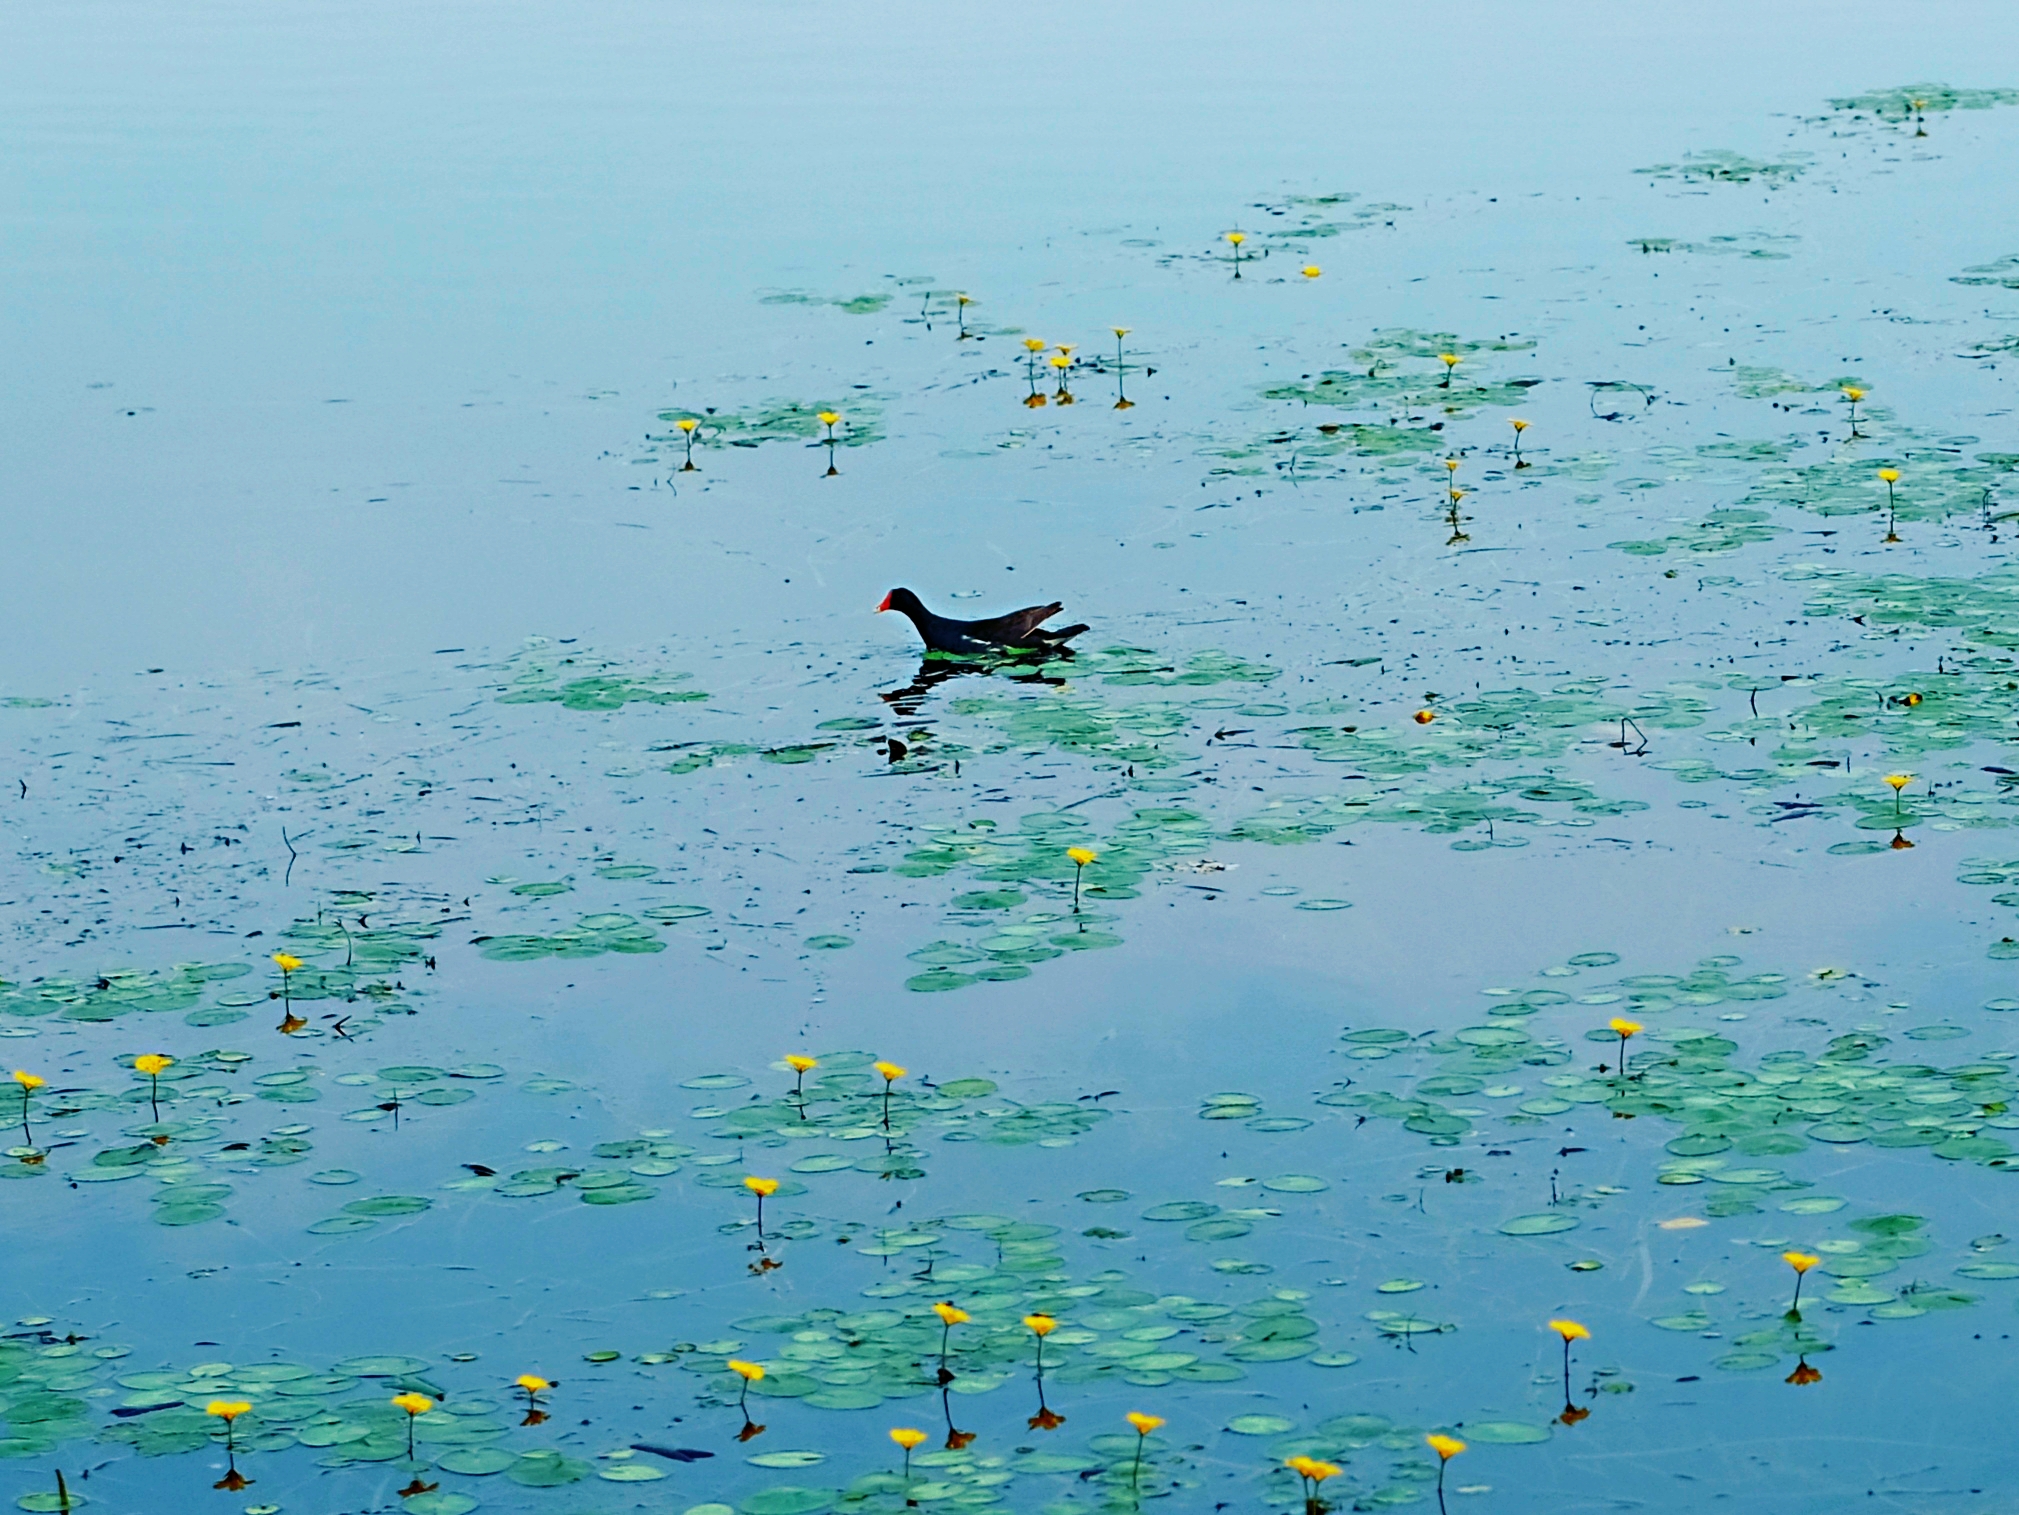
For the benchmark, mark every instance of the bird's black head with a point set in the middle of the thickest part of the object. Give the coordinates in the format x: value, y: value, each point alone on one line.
x: 904, y: 601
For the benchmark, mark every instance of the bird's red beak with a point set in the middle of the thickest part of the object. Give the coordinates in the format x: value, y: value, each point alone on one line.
x: 884, y: 606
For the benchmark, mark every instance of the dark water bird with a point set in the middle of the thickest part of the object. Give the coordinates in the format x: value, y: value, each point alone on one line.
x: 1019, y: 631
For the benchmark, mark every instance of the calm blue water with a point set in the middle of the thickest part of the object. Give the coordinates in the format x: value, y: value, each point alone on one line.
x: 361, y: 602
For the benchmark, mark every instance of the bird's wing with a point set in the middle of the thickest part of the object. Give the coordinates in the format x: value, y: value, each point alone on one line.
x: 1015, y: 626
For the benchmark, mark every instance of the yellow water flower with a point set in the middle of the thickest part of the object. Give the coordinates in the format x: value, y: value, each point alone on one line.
x: 287, y: 961
x: 1519, y: 426
x: 951, y: 1314
x: 1060, y: 361
x: 1144, y: 1424
x: 1424, y: 717
x: 1853, y: 393
x: 889, y: 1072
x: 829, y: 417
x: 799, y: 1064
x: 28, y: 1081
x: 1082, y: 855
x: 1237, y: 237
x: 687, y: 423
x: 1451, y: 465
x: 1319, y: 1470
x: 1034, y: 344
x: 1625, y: 1028
x: 1890, y: 475
x: 152, y: 1063
x: 1801, y: 1262
x: 1121, y: 331
x: 763, y: 1188
x: 908, y: 1437
x: 1446, y: 1447
x: 1898, y: 782
x: 1067, y: 347
x: 749, y: 1372
x: 227, y: 1409
x: 532, y: 1383
x: 1450, y: 360
x: 1570, y: 1330
x: 1040, y: 1325
x: 1312, y: 270
x: 413, y: 1404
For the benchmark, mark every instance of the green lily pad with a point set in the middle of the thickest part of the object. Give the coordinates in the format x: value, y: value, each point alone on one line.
x: 1260, y: 1425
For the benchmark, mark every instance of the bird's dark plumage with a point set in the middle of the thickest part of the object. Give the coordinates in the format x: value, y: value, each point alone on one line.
x: 1019, y: 631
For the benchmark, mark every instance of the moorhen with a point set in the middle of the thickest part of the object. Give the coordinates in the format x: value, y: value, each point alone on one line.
x: 1019, y: 631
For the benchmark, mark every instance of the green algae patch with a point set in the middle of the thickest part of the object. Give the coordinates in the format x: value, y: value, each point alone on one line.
x: 544, y: 672
x: 1723, y: 166
x: 1719, y: 531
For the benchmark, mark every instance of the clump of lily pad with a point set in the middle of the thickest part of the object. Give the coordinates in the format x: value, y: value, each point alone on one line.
x: 544, y: 672
x: 1723, y: 166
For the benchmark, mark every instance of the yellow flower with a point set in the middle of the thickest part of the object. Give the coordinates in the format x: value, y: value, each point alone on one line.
x: 227, y: 1409
x: 687, y: 423
x: 1318, y: 1471
x: 1067, y: 348
x: 1519, y: 425
x: 1035, y: 344
x: 1040, y: 1325
x: 1300, y: 1464
x: 953, y: 1315
x: 1424, y: 717
x: 1121, y: 331
x: 1446, y: 1447
x: 152, y: 1063
x: 763, y: 1188
x: 414, y: 1404
x: 1459, y: 494
x: 1853, y: 393
x: 1801, y: 1262
x: 1144, y: 1424
x: 890, y: 1072
x: 1312, y: 270
x: 1061, y: 362
x: 1237, y: 237
x: 1451, y: 465
x: 1889, y: 475
x: 1625, y: 1027
x: 829, y: 417
x: 1082, y: 855
x: 1899, y: 781
x: 287, y: 960
x: 749, y: 1372
x: 1570, y: 1330
x: 964, y: 299
x: 799, y: 1064
x: 532, y: 1383
x: 1449, y: 359
x: 907, y: 1437
x: 29, y: 1080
